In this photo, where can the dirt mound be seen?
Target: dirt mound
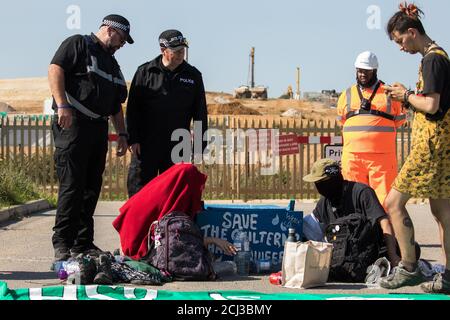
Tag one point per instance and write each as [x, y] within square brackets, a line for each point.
[232, 108]
[292, 113]
[4, 107]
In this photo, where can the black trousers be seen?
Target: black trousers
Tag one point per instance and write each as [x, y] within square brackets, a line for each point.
[151, 162]
[80, 156]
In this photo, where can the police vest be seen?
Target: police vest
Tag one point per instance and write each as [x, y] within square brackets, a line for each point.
[371, 130]
[100, 89]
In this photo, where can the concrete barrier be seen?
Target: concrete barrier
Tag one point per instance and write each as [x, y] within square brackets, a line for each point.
[24, 209]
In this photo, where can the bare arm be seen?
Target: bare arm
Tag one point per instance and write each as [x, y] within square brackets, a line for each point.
[56, 80]
[428, 104]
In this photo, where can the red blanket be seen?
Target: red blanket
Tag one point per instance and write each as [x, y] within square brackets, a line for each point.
[177, 189]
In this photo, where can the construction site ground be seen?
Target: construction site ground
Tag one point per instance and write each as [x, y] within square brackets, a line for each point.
[27, 96]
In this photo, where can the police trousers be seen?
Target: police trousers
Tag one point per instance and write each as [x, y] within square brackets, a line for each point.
[147, 166]
[80, 156]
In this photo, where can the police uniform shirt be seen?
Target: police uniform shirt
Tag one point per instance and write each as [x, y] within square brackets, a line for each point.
[72, 56]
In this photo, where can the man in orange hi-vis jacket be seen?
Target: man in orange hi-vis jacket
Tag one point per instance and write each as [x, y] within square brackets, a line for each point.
[370, 120]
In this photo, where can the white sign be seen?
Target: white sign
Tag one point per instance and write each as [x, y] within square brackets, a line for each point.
[334, 152]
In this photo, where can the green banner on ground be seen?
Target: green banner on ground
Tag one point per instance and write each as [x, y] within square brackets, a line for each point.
[99, 292]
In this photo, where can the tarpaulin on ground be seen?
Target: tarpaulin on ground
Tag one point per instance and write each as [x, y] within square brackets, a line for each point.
[100, 292]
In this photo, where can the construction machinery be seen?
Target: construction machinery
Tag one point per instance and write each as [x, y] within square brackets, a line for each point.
[251, 91]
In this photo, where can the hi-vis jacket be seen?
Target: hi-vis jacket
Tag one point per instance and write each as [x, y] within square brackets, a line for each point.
[366, 132]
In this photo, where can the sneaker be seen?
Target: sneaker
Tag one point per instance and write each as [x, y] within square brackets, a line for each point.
[400, 277]
[437, 285]
[61, 254]
[379, 269]
[104, 273]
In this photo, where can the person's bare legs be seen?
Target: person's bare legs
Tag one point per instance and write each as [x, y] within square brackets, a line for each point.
[440, 208]
[403, 227]
[441, 211]
[407, 272]
[441, 236]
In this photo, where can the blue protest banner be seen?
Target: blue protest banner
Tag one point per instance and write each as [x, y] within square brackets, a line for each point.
[266, 227]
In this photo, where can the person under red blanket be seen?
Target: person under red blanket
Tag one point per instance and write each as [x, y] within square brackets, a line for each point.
[177, 189]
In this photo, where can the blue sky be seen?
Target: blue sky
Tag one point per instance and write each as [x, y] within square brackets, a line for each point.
[323, 38]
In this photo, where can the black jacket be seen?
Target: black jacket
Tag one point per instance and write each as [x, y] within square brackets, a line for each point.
[161, 101]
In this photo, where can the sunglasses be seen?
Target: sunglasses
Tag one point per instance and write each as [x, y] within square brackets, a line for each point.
[123, 38]
[332, 170]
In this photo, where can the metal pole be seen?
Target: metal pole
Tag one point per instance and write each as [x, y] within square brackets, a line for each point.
[252, 56]
[298, 84]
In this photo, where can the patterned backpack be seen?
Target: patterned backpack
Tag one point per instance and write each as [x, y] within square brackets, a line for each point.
[176, 247]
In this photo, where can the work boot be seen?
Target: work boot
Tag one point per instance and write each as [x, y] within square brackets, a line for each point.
[400, 277]
[437, 285]
[104, 273]
[91, 250]
[61, 254]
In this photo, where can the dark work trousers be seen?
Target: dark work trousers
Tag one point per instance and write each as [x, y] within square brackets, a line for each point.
[150, 163]
[80, 155]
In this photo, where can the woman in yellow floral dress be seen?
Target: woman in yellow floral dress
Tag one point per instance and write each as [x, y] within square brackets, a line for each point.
[426, 171]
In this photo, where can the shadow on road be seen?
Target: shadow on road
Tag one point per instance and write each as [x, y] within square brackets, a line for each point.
[26, 275]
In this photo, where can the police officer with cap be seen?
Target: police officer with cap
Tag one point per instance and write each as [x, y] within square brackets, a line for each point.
[87, 87]
[166, 94]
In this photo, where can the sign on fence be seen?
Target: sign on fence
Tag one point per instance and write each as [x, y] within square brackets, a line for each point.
[266, 228]
[334, 152]
[288, 144]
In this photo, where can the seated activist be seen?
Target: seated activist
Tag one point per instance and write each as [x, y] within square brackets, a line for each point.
[344, 208]
[177, 189]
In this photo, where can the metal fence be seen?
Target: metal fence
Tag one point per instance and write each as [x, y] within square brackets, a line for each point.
[238, 172]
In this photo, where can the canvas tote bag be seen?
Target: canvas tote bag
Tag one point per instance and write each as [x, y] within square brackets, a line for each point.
[306, 264]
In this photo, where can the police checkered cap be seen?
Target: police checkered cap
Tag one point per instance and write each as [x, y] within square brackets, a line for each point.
[322, 169]
[172, 39]
[118, 22]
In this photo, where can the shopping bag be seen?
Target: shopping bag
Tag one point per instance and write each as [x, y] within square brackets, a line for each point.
[306, 264]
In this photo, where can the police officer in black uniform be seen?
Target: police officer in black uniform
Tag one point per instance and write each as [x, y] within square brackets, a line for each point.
[166, 94]
[87, 87]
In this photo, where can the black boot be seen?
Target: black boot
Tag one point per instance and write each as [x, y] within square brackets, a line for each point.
[104, 273]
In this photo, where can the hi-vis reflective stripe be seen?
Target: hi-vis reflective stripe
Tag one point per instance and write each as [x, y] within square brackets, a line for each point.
[402, 117]
[369, 129]
[388, 104]
[77, 105]
[348, 95]
[94, 68]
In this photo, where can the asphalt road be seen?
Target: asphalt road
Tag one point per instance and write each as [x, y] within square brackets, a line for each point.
[26, 253]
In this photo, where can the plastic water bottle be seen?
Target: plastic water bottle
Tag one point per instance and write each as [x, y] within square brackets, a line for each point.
[60, 269]
[225, 268]
[72, 269]
[243, 256]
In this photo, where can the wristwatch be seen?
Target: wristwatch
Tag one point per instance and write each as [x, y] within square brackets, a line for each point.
[406, 95]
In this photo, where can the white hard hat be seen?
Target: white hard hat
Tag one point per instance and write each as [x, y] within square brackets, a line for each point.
[366, 60]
